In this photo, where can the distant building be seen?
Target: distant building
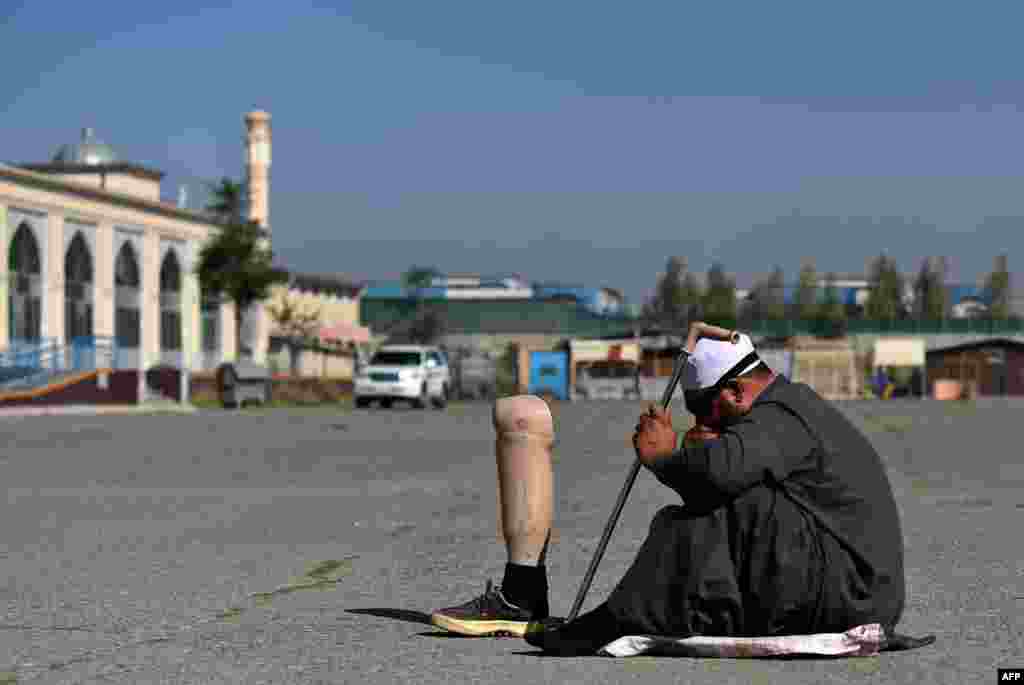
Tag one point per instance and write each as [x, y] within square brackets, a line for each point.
[93, 253]
[476, 287]
[598, 300]
[994, 366]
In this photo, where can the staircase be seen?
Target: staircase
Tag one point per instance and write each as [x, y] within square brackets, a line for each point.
[32, 364]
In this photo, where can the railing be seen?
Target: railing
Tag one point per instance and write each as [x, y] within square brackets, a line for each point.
[22, 352]
[33, 363]
[94, 352]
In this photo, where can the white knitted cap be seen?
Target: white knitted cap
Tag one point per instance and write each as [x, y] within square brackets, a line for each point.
[713, 359]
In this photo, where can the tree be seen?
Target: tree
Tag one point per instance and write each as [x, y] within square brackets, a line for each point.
[774, 296]
[760, 303]
[807, 291]
[665, 307]
[298, 326]
[885, 298]
[425, 327]
[226, 200]
[832, 309]
[236, 264]
[930, 291]
[419, 277]
[670, 292]
[720, 296]
[669, 307]
[692, 297]
[997, 288]
[428, 326]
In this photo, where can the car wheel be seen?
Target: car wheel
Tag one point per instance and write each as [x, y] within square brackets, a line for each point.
[362, 403]
[386, 404]
[442, 400]
[421, 401]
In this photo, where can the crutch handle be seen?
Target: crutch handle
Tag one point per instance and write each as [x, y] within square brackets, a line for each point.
[699, 329]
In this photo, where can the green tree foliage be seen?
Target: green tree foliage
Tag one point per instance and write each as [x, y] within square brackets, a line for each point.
[767, 298]
[832, 310]
[425, 326]
[807, 292]
[998, 289]
[691, 296]
[832, 307]
[419, 276]
[676, 292]
[670, 292]
[226, 200]
[930, 292]
[885, 298]
[720, 296]
[775, 297]
[236, 263]
[428, 326]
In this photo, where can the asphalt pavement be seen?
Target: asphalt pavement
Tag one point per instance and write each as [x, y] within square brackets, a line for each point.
[309, 546]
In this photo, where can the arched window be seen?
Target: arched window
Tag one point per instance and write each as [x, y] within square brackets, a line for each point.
[25, 292]
[209, 310]
[170, 303]
[78, 303]
[127, 319]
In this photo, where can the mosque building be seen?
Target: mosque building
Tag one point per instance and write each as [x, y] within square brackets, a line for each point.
[96, 258]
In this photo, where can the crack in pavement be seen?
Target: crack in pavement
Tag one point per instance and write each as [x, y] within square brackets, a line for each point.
[323, 575]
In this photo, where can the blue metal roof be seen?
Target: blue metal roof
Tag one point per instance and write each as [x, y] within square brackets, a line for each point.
[958, 293]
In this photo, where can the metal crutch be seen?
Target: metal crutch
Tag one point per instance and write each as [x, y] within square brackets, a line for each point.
[697, 330]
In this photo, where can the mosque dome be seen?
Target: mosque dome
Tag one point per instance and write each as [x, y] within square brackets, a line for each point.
[89, 151]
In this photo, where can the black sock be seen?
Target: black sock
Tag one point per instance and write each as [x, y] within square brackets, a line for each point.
[527, 587]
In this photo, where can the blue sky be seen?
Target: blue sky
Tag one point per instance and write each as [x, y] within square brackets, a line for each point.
[581, 141]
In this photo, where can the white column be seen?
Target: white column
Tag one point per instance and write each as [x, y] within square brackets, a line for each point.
[257, 172]
[228, 345]
[260, 333]
[103, 284]
[53, 282]
[189, 319]
[149, 342]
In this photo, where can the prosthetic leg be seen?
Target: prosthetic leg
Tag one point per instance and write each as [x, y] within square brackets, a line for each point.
[524, 431]
[524, 435]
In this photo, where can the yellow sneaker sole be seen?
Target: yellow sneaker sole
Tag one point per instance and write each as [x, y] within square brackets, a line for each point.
[480, 628]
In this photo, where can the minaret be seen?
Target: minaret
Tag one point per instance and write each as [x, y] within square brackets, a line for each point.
[257, 167]
[257, 190]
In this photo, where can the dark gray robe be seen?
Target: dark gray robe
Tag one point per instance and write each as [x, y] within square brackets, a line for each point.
[789, 525]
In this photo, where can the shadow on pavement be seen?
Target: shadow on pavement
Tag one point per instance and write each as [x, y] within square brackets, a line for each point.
[551, 655]
[397, 614]
[791, 657]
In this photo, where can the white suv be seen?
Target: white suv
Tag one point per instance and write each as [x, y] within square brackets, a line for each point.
[414, 373]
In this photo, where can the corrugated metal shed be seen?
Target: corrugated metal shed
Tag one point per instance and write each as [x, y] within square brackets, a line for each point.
[990, 367]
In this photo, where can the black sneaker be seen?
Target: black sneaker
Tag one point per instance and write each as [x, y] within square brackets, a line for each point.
[582, 637]
[489, 615]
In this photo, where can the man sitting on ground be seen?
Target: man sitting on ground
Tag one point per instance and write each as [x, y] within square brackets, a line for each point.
[788, 523]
